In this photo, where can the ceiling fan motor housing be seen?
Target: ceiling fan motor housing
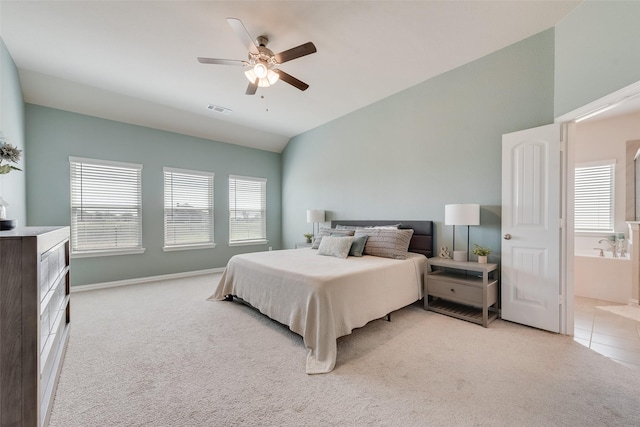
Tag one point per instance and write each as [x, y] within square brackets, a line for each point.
[264, 54]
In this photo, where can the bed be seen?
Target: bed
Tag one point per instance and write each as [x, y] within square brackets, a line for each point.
[323, 298]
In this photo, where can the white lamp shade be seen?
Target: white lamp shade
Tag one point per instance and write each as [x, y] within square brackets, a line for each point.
[462, 214]
[315, 215]
[270, 77]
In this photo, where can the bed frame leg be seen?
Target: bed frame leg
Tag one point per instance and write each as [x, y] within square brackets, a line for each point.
[389, 317]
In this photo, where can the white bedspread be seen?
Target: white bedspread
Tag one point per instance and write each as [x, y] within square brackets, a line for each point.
[319, 297]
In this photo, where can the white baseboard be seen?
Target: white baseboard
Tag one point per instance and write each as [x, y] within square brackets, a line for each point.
[83, 288]
[634, 302]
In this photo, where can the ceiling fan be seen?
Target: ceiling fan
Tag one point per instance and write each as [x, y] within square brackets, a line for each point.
[261, 65]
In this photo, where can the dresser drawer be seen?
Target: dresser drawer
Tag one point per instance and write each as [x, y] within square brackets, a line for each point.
[453, 291]
[52, 264]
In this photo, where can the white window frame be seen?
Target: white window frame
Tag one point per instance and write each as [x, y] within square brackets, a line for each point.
[80, 202]
[172, 193]
[233, 208]
[600, 183]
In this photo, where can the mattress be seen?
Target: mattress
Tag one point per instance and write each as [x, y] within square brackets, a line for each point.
[319, 297]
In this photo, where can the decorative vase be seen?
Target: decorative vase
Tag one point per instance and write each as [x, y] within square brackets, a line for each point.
[7, 224]
[460, 256]
[482, 259]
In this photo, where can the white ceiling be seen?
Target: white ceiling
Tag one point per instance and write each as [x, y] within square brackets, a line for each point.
[135, 61]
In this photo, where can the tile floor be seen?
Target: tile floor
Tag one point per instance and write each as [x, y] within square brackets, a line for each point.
[614, 336]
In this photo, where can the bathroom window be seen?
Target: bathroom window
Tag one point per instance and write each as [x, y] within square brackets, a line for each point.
[594, 196]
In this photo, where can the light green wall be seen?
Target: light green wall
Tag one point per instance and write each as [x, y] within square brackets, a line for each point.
[597, 52]
[404, 157]
[439, 142]
[54, 135]
[12, 185]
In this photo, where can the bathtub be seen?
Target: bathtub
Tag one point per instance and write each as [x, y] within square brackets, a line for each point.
[604, 278]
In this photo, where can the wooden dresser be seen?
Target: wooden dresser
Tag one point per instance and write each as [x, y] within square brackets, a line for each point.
[34, 321]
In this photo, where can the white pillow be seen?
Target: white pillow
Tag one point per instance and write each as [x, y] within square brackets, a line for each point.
[335, 246]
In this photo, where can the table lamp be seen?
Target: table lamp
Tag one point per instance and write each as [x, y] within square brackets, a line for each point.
[461, 214]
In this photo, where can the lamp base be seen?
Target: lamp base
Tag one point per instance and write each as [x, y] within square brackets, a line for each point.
[460, 256]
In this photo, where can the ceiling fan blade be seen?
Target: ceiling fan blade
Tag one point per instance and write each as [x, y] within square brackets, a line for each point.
[222, 61]
[243, 34]
[288, 78]
[251, 89]
[296, 52]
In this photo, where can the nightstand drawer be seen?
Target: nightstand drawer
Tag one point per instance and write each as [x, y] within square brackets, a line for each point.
[453, 291]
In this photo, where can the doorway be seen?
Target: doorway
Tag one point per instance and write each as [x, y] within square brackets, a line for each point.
[587, 319]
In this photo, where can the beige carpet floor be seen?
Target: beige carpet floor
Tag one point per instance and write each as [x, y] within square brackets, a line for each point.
[160, 354]
[629, 311]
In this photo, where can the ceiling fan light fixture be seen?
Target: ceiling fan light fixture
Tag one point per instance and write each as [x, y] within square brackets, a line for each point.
[261, 70]
[270, 78]
[251, 76]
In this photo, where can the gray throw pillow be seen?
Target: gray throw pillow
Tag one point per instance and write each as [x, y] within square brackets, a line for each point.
[357, 247]
[385, 242]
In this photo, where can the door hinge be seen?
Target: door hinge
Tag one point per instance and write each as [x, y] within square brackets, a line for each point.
[561, 299]
[563, 146]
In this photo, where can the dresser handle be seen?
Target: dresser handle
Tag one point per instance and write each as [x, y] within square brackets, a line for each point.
[453, 290]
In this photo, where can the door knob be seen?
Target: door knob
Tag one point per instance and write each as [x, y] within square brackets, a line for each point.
[507, 237]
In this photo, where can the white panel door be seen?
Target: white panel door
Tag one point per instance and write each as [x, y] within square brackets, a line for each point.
[531, 172]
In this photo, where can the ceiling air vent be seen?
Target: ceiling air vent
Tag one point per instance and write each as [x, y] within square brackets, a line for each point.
[219, 109]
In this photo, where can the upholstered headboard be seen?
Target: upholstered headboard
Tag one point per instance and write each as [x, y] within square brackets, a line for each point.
[421, 241]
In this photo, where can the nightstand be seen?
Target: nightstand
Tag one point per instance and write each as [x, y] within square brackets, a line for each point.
[303, 245]
[465, 290]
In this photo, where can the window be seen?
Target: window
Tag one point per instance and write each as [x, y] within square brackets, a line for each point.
[247, 210]
[106, 207]
[594, 196]
[188, 209]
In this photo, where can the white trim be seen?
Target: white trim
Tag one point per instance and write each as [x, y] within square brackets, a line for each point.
[247, 178]
[92, 254]
[187, 171]
[601, 105]
[596, 163]
[126, 282]
[105, 162]
[567, 220]
[249, 243]
[188, 247]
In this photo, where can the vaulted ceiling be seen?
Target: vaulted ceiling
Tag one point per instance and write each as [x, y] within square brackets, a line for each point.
[135, 61]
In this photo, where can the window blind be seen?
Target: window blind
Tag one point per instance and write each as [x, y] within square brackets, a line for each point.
[106, 206]
[247, 210]
[594, 197]
[188, 208]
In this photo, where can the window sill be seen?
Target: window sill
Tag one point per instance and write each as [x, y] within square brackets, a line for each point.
[188, 247]
[594, 233]
[249, 243]
[92, 254]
